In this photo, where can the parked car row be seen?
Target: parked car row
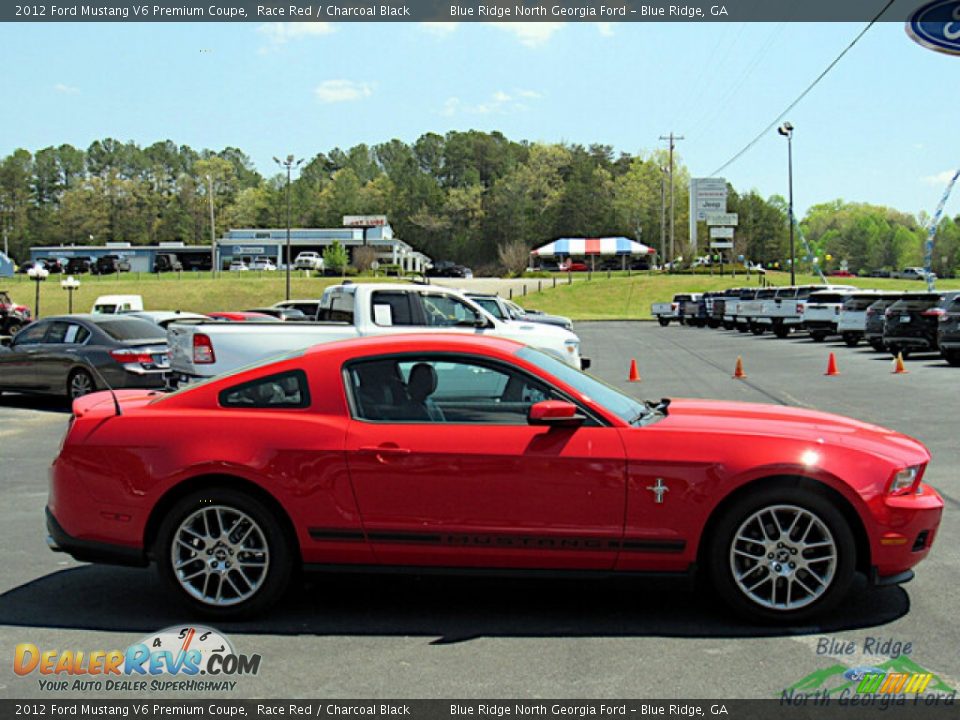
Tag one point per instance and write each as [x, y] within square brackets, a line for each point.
[897, 322]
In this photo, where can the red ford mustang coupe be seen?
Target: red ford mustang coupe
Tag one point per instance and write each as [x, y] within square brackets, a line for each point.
[476, 453]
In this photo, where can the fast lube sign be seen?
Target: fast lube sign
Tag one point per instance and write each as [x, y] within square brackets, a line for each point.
[936, 26]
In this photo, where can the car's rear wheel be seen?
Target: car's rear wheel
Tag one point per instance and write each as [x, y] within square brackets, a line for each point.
[224, 553]
[781, 331]
[782, 554]
[818, 335]
[877, 345]
[851, 339]
[743, 328]
[951, 356]
[663, 322]
[80, 383]
[756, 328]
[728, 325]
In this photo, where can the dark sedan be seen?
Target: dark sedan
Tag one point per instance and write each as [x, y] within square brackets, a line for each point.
[873, 329]
[911, 323]
[948, 333]
[74, 355]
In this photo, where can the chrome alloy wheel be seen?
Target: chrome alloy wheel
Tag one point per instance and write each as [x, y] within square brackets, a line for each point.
[783, 557]
[220, 556]
[80, 384]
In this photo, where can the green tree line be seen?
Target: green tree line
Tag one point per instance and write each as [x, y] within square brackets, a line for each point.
[468, 196]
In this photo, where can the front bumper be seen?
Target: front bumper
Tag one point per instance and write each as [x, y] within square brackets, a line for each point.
[906, 530]
[59, 540]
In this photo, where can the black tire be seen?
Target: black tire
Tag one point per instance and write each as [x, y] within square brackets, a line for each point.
[727, 325]
[781, 331]
[818, 335]
[267, 544]
[803, 497]
[851, 339]
[756, 328]
[12, 328]
[713, 324]
[79, 383]
[951, 356]
[663, 322]
[877, 345]
[742, 328]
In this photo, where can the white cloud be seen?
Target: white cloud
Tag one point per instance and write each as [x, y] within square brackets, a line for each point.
[605, 29]
[66, 89]
[499, 103]
[334, 91]
[280, 33]
[941, 178]
[440, 29]
[531, 34]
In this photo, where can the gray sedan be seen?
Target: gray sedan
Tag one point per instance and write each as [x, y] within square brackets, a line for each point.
[73, 355]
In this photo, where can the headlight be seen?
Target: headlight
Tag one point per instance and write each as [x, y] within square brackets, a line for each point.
[572, 346]
[906, 480]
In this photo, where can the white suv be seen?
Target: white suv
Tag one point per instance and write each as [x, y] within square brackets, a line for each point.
[308, 261]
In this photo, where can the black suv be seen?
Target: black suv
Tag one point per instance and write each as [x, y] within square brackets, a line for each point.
[166, 262]
[911, 323]
[873, 329]
[948, 334]
[109, 265]
[79, 265]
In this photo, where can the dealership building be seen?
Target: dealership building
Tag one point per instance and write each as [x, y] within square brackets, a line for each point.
[246, 244]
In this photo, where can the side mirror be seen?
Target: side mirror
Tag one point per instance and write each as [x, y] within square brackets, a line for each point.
[482, 322]
[557, 413]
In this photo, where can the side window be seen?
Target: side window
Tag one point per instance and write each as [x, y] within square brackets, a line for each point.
[447, 311]
[284, 390]
[32, 335]
[76, 334]
[58, 332]
[392, 308]
[443, 390]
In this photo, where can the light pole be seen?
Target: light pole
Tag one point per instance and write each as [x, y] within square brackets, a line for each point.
[663, 215]
[289, 164]
[213, 231]
[787, 131]
[70, 284]
[38, 274]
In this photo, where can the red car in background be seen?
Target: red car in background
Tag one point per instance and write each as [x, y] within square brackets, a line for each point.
[245, 316]
[478, 453]
[573, 266]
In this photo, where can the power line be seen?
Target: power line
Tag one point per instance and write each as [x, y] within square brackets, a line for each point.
[802, 95]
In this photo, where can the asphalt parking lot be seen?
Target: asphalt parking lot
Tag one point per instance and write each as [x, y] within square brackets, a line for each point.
[407, 637]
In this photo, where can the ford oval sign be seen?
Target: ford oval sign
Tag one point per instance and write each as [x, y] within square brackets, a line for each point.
[936, 26]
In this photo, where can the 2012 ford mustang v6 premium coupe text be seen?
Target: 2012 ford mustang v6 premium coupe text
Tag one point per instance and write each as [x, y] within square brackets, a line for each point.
[480, 453]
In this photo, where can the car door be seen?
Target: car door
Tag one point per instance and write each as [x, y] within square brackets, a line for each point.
[447, 470]
[17, 365]
[57, 354]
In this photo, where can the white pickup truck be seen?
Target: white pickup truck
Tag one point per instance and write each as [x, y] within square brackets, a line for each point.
[348, 311]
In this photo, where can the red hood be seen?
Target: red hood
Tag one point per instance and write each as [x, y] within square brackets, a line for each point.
[712, 416]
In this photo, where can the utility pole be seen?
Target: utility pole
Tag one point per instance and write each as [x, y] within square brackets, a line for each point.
[673, 246]
[663, 216]
[289, 164]
[213, 231]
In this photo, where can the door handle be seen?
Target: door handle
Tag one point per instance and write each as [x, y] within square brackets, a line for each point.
[385, 449]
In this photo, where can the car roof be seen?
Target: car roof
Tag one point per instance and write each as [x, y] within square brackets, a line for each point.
[419, 342]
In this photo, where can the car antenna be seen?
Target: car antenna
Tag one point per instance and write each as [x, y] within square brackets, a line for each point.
[116, 403]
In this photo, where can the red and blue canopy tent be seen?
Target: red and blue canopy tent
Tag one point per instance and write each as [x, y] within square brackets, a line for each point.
[592, 247]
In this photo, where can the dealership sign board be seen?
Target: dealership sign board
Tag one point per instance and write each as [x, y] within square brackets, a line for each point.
[721, 244]
[707, 196]
[725, 233]
[364, 220]
[936, 26]
[724, 218]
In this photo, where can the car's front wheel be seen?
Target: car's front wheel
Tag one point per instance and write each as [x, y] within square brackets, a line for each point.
[951, 356]
[224, 553]
[782, 554]
[663, 322]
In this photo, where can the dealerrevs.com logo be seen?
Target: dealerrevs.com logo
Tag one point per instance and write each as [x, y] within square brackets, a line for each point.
[179, 658]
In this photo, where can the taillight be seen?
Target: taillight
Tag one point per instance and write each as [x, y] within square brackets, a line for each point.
[888, 313]
[127, 357]
[871, 312]
[800, 307]
[933, 312]
[203, 350]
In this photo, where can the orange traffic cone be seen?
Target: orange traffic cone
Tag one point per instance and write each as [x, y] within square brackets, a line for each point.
[634, 373]
[738, 373]
[832, 368]
[898, 368]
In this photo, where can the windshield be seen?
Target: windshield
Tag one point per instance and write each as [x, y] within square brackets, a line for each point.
[490, 305]
[624, 407]
[130, 329]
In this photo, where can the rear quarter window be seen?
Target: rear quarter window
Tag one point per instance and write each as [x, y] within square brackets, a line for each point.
[281, 391]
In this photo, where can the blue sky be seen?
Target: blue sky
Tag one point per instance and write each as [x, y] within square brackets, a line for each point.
[881, 128]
